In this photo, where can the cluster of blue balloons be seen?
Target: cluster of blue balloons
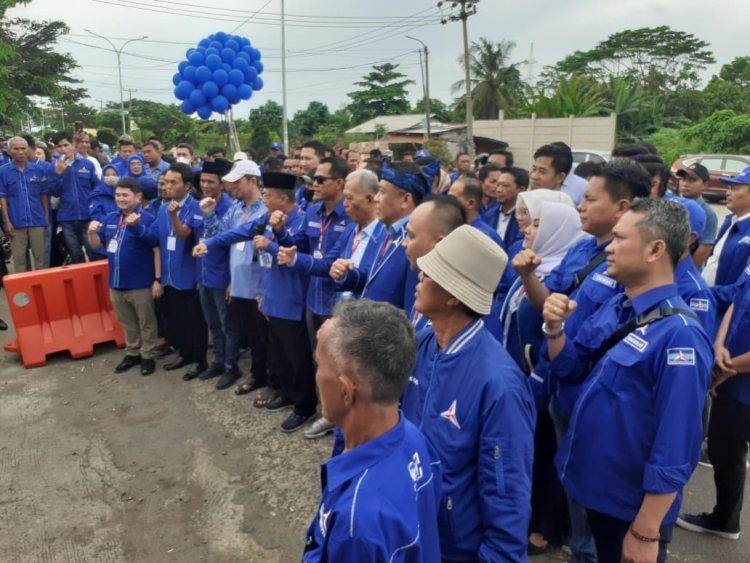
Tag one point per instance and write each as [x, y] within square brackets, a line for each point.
[220, 72]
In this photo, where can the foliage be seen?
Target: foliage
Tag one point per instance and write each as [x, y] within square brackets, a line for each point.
[107, 135]
[581, 96]
[438, 108]
[495, 84]
[382, 92]
[307, 121]
[438, 149]
[659, 58]
[737, 72]
[263, 126]
[29, 65]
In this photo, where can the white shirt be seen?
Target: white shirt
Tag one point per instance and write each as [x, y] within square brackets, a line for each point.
[712, 264]
[502, 222]
[361, 240]
[97, 166]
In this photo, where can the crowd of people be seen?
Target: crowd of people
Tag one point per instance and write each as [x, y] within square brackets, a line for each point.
[510, 360]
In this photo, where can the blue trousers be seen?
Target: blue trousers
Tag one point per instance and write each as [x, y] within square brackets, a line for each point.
[214, 305]
[74, 234]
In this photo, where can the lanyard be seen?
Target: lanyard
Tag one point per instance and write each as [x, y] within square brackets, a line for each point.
[323, 230]
[357, 241]
[385, 245]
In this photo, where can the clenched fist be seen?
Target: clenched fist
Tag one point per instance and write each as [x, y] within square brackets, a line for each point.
[286, 255]
[200, 249]
[525, 262]
[94, 226]
[340, 267]
[277, 220]
[208, 205]
[133, 219]
[173, 208]
[557, 309]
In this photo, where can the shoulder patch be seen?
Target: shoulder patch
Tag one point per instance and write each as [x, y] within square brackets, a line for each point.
[699, 304]
[635, 341]
[605, 280]
[681, 356]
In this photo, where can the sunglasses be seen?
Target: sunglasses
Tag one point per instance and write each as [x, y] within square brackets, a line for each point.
[320, 179]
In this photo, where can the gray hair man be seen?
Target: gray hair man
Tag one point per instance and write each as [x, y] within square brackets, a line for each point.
[380, 495]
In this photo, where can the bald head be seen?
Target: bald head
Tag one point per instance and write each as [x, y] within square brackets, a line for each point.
[429, 223]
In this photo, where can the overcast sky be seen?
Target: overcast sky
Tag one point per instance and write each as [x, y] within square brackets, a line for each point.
[333, 43]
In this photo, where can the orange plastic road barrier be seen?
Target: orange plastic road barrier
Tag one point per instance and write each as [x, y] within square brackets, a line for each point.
[59, 309]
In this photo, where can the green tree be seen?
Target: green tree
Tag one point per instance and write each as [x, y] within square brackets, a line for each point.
[581, 96]
[382, 92]
[264, 126]
[165, 121]
[659, 58]
[737, 72]
[438, 108]
[306, 121]
[495, 84]
[29, 64]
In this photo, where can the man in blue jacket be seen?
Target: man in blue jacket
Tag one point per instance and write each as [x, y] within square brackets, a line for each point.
[25, 205]
[173, 232]
[75, 180]
[731, 252]
[381, 495]
[471, 401]
[635, 432]
[131, 276]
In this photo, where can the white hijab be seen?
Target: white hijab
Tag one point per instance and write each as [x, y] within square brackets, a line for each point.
[534, 198]
[559, 229]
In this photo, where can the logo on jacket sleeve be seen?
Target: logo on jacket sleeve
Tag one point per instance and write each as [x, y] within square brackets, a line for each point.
[323, 519]
[605, 280]
[450, 415]
[681, 356]
[699, 304]
[415, 468]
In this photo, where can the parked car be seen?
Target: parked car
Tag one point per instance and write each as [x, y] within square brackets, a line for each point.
[590, 155]
[719, 166]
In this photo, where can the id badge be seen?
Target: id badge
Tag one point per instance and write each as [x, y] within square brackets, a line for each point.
[240, 246]
[112, 246]
[318, 255]
[171, 244]
[265, 260]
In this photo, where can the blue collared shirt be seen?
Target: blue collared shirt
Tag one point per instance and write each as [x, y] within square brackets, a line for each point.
[131, 258]
[695, 292]
[735, 256]
[737, 341]
[574, 186]
[636, 427]
[23, 192]
[157, 170]
[474, 406]
[212, 270]
[380, 503]
[73, 187]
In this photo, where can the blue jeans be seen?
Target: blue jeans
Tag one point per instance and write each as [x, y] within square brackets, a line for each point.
[74, 234]
[581, 540]
[214, 305]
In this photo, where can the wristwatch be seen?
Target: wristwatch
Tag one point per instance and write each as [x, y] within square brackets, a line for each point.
[553, 335]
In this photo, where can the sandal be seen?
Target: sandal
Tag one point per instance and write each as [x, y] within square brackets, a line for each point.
[247, 387]
[264, 398]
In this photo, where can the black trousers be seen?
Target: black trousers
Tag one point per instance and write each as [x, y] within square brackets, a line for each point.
[186, 328]
[609, 533]
[246, 322]
[728, 436]
[314, 322]
[548, 503]
[291, 358]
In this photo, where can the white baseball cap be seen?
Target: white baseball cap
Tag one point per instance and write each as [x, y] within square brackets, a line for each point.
[242, 168]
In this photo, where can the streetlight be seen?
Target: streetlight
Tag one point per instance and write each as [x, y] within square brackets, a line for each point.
[118, 52]
[426, 82]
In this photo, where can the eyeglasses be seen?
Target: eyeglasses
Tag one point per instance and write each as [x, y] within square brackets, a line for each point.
[320, 179]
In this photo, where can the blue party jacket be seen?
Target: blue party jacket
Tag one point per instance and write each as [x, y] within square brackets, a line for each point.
[131, 265]
[24, 191]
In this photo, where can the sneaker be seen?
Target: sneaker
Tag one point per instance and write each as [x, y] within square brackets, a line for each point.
[704, 460]
[279, 403]
[294, 422]
[703, 524]
[318, 429]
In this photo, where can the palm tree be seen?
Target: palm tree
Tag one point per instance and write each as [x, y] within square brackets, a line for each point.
[495, 84]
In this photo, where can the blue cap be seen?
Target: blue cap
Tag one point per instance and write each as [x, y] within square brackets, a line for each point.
[275, 147]
[696, 214]
[419, 185]
[422, 153]
[741, 178]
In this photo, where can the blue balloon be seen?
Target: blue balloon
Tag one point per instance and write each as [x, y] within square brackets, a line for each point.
[221, 37]
[245, 57]
[248, 49]
[236, 77]
[251, 74]
[244, 42]
[256, 54]
[210, 89]
[257, 84]
[182, 66]
[227, 55]
[229, 91]
[245, 92]
[204, 112]
[189, 52]
[183, 90]
[232, 44]
[202, 50]
[227, 67]
[196, 58]
[216, 45]
[211, 51]
[240, 63]
[189, 74]
[220, 104]
[213, 62]
[258, 66]
[204, 43]
[187, 108]
[197, 98]
[203, 74]
[177, 78]
[221, 77]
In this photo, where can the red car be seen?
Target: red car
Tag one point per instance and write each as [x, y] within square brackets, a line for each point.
[719, 166]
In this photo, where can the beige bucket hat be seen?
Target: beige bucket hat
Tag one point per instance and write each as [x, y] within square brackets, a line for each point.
[468, 265]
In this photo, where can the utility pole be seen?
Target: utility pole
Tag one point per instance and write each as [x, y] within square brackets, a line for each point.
[468, 8]
[426, 82]
[118, 52]
[284, 121]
